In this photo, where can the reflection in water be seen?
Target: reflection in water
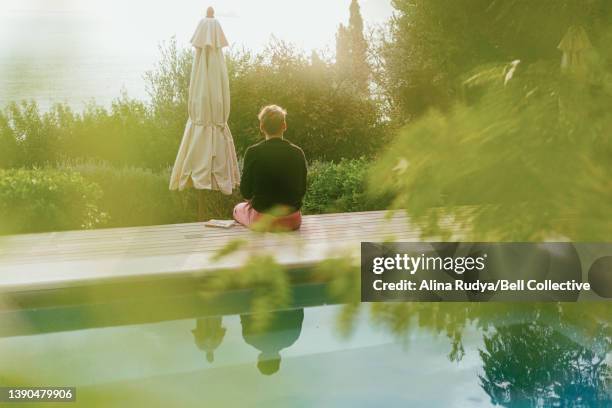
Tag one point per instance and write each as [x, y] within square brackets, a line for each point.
[534, 355]
[514, 355]
[281, 330]
[530, 365]
[208, 335]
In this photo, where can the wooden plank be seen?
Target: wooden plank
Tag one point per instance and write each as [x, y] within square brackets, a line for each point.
[197, 229]
[76, 258]
[158, 246]
[89, 239]
[179, 239]
[38, 243]
[79, 234]
[63, 259]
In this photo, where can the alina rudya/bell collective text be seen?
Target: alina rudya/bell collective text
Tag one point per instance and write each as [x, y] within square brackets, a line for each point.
[459, 265]
[504, 285]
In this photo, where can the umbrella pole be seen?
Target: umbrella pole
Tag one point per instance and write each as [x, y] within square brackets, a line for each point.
[203, 212]
[213, 204]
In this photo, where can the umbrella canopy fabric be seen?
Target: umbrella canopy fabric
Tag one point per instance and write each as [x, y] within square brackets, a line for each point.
[574, 45]
[206, 159]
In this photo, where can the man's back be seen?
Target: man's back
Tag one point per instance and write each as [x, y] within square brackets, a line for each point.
[274, 175]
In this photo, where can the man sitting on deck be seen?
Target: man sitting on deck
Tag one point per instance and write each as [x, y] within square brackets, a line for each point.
[273, 178]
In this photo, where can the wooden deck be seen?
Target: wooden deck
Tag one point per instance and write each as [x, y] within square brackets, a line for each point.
[58, 260]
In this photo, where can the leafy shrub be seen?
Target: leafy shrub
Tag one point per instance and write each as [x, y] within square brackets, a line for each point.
[47, 200]
[340, 187]
[136, 196]
[95, 194]
[28, 136]
[123, 135]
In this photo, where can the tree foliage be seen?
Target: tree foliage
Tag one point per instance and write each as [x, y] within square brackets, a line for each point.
[433, 43]
[523, 146]
[326, 118]
[352, 53]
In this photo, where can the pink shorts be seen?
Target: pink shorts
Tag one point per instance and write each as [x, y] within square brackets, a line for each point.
[246, 215]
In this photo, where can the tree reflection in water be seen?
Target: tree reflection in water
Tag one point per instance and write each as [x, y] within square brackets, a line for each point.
[533, 354]
[548, 354]
[531, 364]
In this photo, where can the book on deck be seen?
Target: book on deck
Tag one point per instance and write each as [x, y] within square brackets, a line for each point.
[220, 223]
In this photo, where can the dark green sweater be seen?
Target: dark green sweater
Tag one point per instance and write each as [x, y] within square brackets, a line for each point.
[274, 174]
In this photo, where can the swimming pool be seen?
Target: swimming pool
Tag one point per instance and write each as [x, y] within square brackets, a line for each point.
[404, 354]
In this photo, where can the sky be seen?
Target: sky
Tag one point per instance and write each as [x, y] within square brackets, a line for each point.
[76, 50]
[125, 24]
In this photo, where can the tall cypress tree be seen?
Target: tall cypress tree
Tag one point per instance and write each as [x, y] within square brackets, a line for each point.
[351, 51]
[343, 51]
[359, 49]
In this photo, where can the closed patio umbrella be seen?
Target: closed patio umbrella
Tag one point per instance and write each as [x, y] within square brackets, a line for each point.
[574, 45]
[206, 159]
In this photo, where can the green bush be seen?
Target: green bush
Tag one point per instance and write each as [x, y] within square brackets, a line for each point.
[47, 200]
[340, 187]
[96, 194]
[136, 196]
[125, 134]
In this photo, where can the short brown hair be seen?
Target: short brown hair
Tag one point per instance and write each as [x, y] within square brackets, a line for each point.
[271, 119]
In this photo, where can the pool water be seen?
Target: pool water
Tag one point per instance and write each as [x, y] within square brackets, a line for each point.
[421, 355]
